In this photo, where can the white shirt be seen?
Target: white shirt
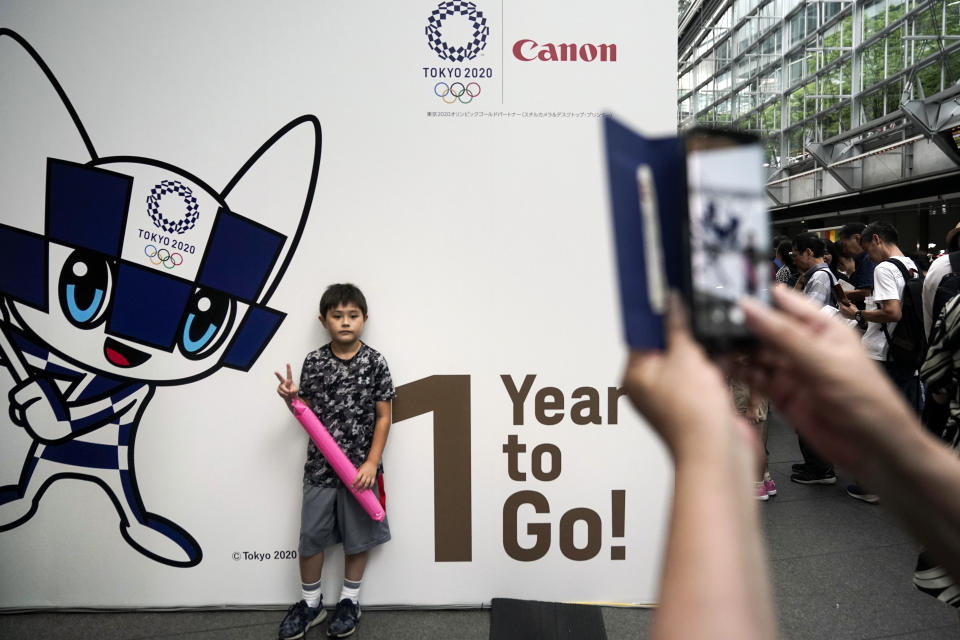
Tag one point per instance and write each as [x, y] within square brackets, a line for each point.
[939, 268]
[888, 284]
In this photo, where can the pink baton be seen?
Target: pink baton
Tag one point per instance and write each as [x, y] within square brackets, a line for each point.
[337, 459]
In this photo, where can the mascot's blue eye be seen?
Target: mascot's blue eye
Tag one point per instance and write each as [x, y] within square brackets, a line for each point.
[189, 343]
[83, 315]
[84, 288]
[206, 323]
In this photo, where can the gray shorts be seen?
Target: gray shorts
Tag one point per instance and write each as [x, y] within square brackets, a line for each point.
[331, 515]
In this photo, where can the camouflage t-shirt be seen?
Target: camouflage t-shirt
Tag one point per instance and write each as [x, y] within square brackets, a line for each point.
[344, 394]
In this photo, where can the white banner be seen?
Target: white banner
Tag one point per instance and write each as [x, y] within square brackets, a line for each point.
[178, 184]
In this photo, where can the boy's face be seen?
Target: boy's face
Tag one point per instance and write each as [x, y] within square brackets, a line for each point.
[344, 323]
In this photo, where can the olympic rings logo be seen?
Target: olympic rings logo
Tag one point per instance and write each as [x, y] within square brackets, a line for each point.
[456, 92]
[163, 256]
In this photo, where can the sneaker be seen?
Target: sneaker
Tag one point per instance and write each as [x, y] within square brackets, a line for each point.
[858, 493]
[798, 467]
[299, 618]
[770, 486]
[809, 476]
[761, 489]
[345, 619]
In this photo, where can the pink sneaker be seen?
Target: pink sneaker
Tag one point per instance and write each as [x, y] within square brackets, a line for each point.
[770, 486]
[761, 490]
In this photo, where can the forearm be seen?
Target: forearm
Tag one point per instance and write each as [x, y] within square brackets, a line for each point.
[380, 431]
[916, 477]
[715, 582]
[39, 406]
[857, 296]
[880, 315]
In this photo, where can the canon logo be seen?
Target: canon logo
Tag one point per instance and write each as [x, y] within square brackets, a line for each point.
[529, 50]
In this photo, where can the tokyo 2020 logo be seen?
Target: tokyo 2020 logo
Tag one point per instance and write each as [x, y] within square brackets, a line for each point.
[191, 208]
[474, 44]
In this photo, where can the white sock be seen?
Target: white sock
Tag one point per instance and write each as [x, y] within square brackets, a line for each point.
[311, 593]
[351, 590]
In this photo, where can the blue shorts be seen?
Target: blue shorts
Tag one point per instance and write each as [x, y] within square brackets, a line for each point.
[331, 515]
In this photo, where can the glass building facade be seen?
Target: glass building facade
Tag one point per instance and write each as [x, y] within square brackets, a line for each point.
[812, 76]
[796, 71]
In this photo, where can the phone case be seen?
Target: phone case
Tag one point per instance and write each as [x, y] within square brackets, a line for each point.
[652, 183]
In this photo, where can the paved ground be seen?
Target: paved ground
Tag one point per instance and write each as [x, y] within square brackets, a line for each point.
[841, 570]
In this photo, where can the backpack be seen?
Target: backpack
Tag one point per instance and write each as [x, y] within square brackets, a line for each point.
[908, 342]
[949, 286]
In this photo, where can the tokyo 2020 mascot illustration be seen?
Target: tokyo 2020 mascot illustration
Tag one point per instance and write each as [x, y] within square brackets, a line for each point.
[123, 274]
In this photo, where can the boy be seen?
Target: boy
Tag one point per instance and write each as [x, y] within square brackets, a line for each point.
[348, 386]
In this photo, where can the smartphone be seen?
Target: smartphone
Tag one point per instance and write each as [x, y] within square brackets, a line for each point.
[727, 234]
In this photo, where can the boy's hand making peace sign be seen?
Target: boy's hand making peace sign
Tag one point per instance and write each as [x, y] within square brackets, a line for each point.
[287, 389]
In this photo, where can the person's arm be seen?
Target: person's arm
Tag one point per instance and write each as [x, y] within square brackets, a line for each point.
[889, 311]
[857, 296]
[851, 414]
[367, 473]
[886, 294]
[288, 390]
[918, 477]
[715, 580]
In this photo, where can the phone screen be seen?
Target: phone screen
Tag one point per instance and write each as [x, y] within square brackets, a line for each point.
[729, 236]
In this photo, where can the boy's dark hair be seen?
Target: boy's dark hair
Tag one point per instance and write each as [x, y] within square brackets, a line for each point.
[851, 229]
[809, 240]
[886, 232]
[338, 294]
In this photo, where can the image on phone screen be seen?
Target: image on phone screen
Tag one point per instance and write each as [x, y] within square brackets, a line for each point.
[729, 238]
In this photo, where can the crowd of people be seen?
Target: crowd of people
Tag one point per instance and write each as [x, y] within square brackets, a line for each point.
[867, 390]
[861, 278]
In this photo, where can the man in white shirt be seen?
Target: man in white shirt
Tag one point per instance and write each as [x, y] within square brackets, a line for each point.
[879, 240]
[888, 283]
